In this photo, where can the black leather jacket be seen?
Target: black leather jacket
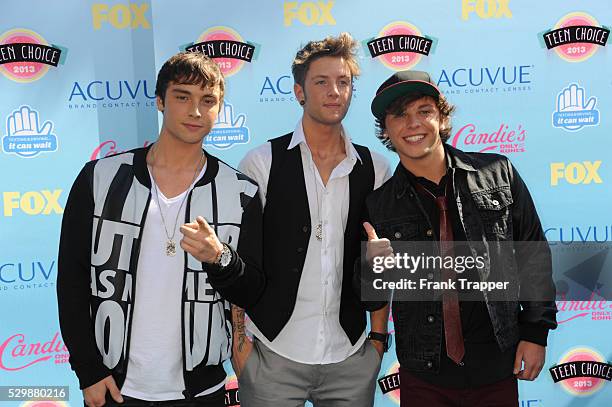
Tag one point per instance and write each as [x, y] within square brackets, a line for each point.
[494, 206]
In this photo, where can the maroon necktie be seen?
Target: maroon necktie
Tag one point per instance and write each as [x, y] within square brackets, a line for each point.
[455, 348]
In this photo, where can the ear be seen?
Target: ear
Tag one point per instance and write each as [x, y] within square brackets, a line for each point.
[160, 104]
[299, 92]
[445, 123]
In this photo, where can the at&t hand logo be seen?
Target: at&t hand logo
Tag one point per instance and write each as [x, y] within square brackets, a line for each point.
[228, 130]
[26, 136]
[574, 111]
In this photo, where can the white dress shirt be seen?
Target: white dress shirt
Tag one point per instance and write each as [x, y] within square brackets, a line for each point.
[313, 334]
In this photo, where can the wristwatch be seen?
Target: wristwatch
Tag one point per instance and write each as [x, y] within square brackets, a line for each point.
[225, 257]
[384, 338]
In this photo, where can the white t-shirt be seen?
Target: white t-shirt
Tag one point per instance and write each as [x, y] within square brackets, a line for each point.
[155, 365]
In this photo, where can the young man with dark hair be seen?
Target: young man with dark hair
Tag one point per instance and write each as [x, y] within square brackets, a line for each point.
[452, 352]
[309, 326]
[148, 256]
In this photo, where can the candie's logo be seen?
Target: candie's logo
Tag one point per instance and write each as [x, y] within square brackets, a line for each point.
[575, 37]
[593, 308]
[16, 353]
[390, 383]
[581, 372]
[109, 148]
[25, 56]
[226, 46]
[503, 139]
[400, 46]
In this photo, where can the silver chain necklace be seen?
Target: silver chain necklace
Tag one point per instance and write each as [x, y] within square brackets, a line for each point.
[319, 225]
[170, 248]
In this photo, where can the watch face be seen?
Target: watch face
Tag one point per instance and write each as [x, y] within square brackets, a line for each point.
[226, 257]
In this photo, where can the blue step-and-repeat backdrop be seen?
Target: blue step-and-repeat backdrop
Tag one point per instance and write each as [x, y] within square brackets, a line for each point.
[531, 79]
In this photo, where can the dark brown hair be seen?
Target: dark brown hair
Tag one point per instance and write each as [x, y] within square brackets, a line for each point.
[397, 108]
[343, 46]
[190, 68]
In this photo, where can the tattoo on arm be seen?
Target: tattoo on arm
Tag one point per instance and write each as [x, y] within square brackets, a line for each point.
[239, 330]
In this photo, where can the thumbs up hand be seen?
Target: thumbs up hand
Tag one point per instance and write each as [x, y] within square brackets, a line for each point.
[376, 247]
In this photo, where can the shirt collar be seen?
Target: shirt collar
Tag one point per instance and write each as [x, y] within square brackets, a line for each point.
[404, 177]
[299, 137]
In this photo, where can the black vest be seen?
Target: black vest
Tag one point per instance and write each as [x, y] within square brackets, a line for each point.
[286, 230]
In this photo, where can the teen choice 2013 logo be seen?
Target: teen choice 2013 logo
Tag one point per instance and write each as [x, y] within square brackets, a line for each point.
[25, 56]
[400, 45]
[229, 50]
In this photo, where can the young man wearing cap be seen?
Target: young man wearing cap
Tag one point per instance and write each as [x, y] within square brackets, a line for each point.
[309, 325]
[147, 260]
[454, 352]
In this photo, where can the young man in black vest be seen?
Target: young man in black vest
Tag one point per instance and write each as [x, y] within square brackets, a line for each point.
[147, 260]
[454, 352]
[309, 325]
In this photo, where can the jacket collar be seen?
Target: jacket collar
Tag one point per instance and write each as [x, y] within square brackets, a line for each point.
[459, 159]
[142, 174]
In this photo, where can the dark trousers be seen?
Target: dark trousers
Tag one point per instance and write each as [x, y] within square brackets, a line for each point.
[418, 393]
[216, 399]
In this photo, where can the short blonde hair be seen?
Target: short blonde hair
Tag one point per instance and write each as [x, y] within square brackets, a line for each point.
[343, 46]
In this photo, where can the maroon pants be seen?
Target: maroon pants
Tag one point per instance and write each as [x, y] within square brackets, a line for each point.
[418, 393]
